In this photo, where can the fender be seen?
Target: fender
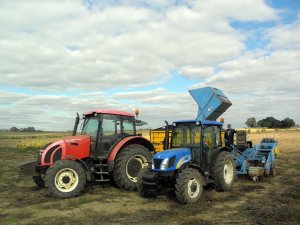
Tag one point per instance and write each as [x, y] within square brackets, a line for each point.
[116, 148]
[220, 149]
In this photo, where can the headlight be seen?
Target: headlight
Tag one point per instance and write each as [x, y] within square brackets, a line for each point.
[152, 166]
[164, 164]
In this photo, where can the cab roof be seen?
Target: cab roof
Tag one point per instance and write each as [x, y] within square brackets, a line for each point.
[112, 112]
[203, 122]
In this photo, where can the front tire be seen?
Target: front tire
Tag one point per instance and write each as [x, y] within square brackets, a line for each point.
[142, 190]
[189, 186]
[65, 179]
[128, 164]
[223, 171]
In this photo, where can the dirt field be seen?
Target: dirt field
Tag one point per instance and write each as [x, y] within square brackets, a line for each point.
[274, 200]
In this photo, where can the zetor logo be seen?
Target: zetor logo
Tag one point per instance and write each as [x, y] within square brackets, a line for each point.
[72, 140]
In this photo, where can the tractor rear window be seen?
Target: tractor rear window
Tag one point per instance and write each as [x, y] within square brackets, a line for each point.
[128, 126]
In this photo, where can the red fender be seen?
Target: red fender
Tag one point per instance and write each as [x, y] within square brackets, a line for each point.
[134, 139]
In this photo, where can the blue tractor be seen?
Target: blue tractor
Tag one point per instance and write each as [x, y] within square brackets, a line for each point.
[196, 157]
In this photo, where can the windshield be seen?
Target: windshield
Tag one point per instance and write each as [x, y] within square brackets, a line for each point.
[90, 127]
[186, 135]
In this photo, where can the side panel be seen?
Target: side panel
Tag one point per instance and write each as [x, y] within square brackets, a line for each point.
[78, 146]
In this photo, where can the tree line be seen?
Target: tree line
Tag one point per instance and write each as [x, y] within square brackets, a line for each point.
[26, 129]
[270, 122]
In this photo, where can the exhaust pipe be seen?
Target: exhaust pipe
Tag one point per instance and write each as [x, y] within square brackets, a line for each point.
[166, 144]
[76, 125]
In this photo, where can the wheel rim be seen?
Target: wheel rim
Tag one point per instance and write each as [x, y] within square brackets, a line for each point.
[228, 172]
[193, 188]
[134, 165]
[66, 180]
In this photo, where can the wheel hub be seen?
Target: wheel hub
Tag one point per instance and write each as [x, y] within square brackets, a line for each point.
[193, 188]
[228, 172]
[134, 165]
[66, 180]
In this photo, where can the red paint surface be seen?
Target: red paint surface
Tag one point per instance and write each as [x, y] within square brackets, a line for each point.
[80, 150]
[113, 112]
[118, 146]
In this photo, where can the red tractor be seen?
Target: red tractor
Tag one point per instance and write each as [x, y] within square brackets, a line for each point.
[108, 148]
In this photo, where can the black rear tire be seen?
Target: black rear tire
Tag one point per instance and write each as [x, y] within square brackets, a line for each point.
[39, 181]
[65, 179]
[223, 171]
[189, 186]
[128, 164]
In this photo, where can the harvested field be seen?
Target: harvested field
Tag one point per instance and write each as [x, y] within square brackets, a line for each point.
[273, 200]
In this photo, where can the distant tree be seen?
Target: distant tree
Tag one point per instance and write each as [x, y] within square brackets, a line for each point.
[13, 129]
[251, 122]
[287, 123]
[28, 129]
[269, 122]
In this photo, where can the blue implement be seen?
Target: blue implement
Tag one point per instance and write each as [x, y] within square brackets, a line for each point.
[261, 159]
[212, 103]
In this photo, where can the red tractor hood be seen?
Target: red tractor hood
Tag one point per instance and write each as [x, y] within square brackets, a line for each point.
[73, 147]
[80, 139]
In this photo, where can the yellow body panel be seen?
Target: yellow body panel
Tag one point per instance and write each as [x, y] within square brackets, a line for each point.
[276, 151]
[222, 138]
[157, 138]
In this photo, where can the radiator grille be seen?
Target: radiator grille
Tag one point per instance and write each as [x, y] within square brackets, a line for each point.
[157, 163]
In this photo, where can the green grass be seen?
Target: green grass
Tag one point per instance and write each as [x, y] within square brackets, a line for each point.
[271, 201]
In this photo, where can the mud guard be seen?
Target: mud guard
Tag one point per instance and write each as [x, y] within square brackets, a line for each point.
[115, 149]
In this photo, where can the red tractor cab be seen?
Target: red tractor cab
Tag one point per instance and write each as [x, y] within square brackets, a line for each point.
[108, 148]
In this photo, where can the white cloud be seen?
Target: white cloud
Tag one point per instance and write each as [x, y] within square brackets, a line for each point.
[59, 45]
[285, 36]
[260, 85]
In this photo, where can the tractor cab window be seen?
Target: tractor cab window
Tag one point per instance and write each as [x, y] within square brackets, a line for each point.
[186, 135]
[212, 136]
[178, 139]
[128, 126]
[111, 125]
[90, 127]
[196, 135]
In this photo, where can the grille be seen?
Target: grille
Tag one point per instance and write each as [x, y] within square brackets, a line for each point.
[57, 155]
[49, 153]
[39, 158]
[157, 163]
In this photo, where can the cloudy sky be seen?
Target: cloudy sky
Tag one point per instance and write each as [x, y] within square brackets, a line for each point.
[62, 57]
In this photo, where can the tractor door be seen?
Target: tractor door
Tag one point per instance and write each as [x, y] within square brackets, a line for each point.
[195, 144]
[211, 141]
[110, 133]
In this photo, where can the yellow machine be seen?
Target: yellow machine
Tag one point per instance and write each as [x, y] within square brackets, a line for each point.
[157, 138]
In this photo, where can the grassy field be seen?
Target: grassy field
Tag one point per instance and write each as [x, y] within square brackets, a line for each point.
[273, 200]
